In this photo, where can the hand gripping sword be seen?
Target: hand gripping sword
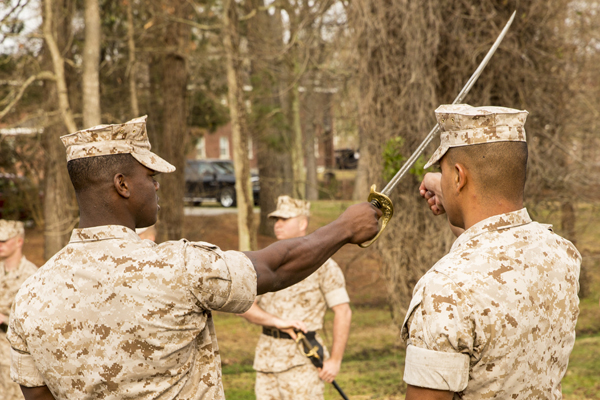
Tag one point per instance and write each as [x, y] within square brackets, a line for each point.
[381, 199]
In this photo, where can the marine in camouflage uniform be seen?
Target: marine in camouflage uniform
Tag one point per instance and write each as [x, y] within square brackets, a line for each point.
[112, 316]
[495, 317]
[283, 371]
[15, 268]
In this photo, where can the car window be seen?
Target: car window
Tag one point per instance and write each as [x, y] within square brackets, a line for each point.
[224, 167]
[205, 168]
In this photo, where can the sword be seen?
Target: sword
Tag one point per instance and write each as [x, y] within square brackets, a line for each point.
[381, 199]
[315, 358]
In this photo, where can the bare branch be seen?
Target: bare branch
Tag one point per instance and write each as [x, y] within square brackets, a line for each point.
[42, 75]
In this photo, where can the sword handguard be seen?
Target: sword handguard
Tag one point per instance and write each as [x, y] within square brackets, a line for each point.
[384, 203]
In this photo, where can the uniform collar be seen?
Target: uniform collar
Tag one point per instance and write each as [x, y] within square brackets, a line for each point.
[495, 223]
[16, 270]
[104, 232]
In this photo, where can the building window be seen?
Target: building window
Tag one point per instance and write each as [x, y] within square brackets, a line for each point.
[224, 148]
[201, 149]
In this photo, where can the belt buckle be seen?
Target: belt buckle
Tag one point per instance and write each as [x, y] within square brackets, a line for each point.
[276, 333]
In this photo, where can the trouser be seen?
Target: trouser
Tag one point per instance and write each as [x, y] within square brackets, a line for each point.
[297, 383]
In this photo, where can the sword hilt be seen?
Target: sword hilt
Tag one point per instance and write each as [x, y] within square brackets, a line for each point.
[384, 203]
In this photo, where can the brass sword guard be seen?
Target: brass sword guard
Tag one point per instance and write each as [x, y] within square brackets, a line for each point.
[384, 203]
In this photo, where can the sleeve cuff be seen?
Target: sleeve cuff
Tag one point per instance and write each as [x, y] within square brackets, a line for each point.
[243, 283]
[23, 370]
[337, 296]
[436, 370]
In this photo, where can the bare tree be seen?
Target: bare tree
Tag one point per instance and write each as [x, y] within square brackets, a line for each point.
[266, 121]
[91, 65]
[131, 67]
[415, 56]
[173, 135]
[59, 207]
[239, 129]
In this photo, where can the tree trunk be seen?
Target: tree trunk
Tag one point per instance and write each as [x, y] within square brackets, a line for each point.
[174, 126]
[59, 199]
[133, 97]
[361, 183]
[239, 130]
[312, 103]
[264, 33]
[58, 63]
[91, 65]
[297, 148]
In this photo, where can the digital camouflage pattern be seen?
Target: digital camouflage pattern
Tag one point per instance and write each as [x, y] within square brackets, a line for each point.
[127, 138]
[298, 383]
[288, 207]
[505, 299]
[305, 301]
[112, 316]
[464, 125]
[9, 229]
[10, 282]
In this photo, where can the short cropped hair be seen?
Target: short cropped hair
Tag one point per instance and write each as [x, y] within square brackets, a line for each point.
[88, 172]
[499, 169]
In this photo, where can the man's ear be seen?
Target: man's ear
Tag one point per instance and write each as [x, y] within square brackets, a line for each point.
[460, 177]
[303, 224]
[121, 186]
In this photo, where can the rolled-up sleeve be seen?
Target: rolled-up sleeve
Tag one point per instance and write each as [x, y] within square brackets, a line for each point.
[333, 284]
[436, 369]
[22, 367]
[439, 333]
[222, 281]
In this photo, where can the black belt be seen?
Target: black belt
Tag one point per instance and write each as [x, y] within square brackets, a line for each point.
[277, 334]
[4, 327]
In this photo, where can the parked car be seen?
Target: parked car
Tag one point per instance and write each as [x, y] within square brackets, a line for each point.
[346, 159]
[214, 180]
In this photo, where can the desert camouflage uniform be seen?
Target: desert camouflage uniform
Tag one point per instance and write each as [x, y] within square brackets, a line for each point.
[464, 125]
[495, 318]
[10, 282]
[112, 316]
[283, 372]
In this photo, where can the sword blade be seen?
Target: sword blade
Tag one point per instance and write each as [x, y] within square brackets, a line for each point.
[436, 129]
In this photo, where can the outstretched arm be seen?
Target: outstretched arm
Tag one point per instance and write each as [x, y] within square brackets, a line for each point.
[258, 316]
[37, 393]
[341, 331]
[287, 262]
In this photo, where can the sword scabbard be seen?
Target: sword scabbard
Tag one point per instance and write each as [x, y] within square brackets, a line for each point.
[384, 203]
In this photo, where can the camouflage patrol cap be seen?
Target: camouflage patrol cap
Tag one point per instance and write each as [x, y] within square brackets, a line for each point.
[127, 138]
[10, 229]
[290, 208]
[464, 125]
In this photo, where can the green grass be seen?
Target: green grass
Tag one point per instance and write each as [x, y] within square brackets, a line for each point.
[582, 380]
